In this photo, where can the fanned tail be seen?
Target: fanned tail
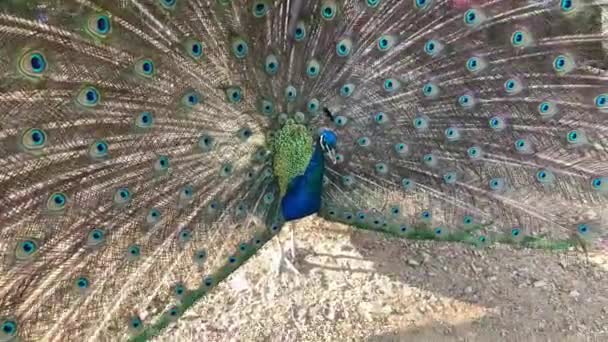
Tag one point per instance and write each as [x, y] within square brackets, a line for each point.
[478, 124]
[135, 168]
[137, 139]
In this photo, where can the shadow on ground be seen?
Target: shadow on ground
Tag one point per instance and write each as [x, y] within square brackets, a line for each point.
[526, 292]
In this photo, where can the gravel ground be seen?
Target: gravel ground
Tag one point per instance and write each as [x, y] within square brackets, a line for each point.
[364, 286]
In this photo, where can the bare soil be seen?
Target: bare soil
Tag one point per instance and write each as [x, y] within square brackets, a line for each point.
[365, 286]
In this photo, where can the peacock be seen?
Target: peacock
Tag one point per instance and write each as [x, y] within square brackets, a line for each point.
[150, 147]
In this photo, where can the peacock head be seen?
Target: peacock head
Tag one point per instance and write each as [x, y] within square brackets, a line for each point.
[328, 141]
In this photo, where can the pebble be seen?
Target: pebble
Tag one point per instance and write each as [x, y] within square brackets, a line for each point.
[540, 283]
[413, 262]
[426, 257]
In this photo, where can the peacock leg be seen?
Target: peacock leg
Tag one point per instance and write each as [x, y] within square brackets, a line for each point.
[277, 262]
[292, 244]
[280, 260]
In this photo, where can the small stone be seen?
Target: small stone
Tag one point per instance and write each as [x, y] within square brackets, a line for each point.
[371, 310]
[468, 289]
[413, 262]
[426, 257]
[574, 294]
[540, 283]
[330, 313]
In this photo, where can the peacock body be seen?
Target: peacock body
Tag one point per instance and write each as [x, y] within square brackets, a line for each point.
[150, 147]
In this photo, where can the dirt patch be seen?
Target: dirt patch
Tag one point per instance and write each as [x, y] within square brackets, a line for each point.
[364, 286]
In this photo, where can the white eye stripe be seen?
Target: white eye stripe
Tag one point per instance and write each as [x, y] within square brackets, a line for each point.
[330, 152]
[332, 156]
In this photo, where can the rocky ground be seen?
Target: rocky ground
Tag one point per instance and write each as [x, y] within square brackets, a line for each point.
[363, 286]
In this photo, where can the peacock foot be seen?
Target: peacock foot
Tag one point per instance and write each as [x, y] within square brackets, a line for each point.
[280, 260]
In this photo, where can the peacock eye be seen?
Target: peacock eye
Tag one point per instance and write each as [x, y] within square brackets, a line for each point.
[190, 99]
[521, 39]
[193, 48]
[513, 86]
[381, 118]
[344, 46]
[328, 10]
[433, 47]
[240, 49]
[135, 323]
[567, 6]
[313, 68]
[271, 65]
[583, 228]
[98, 149]
[422, 4]
[234, 95]
[373, 3]
[523, 146]
[57, 202]
[260, 9]
[601, 102]
[473, 18]
[133, 252]
[300, 32]
[291, 93]
[82, 283]
[88, 97]
[169, 4]
[381, 168]
[145, 68]
[545, 176]
[364, 141]
[96, 237]
[467, 220]
[385, 43]
[341, 121]
[33, 64]
[347, 90]
[28, 247]
[9, 329]
[497, 184]
[390, 85]
[122, 196]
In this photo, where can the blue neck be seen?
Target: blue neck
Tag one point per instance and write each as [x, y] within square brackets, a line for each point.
[303, 197]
